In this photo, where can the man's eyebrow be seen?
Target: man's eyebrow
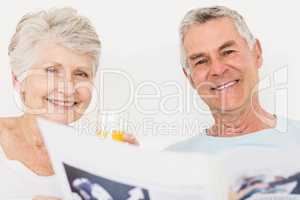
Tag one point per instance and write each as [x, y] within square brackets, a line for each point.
[227, 44]
[196, 55]
[223, 46]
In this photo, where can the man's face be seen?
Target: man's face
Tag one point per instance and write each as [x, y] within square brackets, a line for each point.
[224, 69]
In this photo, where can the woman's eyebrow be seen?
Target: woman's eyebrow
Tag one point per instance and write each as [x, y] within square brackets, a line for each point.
[83, 68]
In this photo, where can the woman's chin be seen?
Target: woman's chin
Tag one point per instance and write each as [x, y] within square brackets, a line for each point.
[60, 118]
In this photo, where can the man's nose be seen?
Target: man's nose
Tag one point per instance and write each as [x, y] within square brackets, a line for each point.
[217, 67]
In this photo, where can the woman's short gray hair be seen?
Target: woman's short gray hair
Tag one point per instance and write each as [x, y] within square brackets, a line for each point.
[64, 25]
[203, 15]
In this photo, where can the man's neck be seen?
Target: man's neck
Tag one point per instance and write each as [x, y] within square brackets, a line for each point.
[243, 121]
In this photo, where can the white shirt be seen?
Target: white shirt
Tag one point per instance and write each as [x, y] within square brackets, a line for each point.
[20, 183]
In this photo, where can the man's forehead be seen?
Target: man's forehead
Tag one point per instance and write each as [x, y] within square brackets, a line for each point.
[209, 27]
[211, 35]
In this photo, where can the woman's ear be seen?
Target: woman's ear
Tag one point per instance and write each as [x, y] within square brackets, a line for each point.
[18, 86]
[16, 82]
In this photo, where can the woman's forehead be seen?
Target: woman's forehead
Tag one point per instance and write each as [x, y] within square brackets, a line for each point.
[54, 53]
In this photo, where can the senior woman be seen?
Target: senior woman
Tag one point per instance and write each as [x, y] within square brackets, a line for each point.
[54, 56]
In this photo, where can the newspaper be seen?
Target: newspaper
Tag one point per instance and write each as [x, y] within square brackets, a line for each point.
[90, 168]
[262, 174]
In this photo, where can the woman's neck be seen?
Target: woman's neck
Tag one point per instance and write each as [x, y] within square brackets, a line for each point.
[30, 131]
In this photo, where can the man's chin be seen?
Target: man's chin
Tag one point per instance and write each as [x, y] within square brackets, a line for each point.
[227, 108]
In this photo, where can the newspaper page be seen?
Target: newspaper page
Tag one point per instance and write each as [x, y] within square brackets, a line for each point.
[263, 174]
[90, 168]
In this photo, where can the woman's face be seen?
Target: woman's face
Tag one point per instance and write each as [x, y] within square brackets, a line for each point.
[58, 85]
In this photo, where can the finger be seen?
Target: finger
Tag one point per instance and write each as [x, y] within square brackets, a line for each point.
[130, 139]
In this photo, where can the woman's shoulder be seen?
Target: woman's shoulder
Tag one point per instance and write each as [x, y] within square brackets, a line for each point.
[8, 124]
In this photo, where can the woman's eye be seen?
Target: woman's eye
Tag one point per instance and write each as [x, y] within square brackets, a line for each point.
[51, 69]
[82, 74]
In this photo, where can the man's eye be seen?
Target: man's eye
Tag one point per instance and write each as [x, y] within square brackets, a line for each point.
[228, 52]
[200, 62]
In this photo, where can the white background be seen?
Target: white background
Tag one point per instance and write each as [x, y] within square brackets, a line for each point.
[141, 38]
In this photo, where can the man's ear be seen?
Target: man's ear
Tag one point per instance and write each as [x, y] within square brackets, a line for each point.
[188, 76]
[16, 82]
[257, 53]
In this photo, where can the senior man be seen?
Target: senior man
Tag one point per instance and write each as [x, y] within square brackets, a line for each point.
[221, 58]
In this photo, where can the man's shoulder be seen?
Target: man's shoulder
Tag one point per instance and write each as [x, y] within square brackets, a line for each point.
[294, 128]
[294, 123]
[288, 125]
[190, 144]
[208, 144]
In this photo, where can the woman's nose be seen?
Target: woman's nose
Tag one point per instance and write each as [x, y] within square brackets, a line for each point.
[66, 87]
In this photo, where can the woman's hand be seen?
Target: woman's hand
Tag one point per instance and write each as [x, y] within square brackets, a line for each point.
[119, 136]
[124, 137]
[130, 139]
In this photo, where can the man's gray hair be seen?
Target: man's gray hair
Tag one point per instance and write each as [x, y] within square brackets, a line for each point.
[203, 15]
[63, 25]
